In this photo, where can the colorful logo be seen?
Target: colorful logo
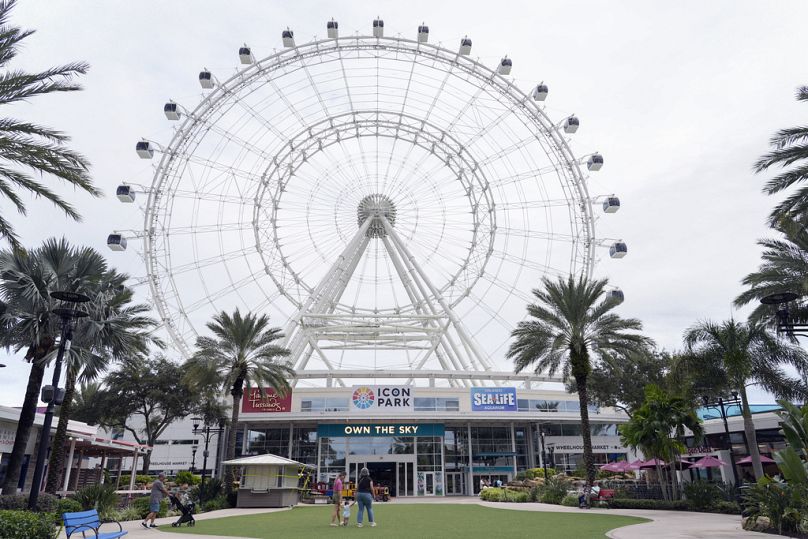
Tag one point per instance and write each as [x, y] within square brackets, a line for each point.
[363, 397]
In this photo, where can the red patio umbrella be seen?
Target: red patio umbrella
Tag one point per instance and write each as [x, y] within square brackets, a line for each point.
[709, 462]
[619, 467]
[748, 460]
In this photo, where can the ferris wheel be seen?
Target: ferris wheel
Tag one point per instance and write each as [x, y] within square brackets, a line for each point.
[390, 202]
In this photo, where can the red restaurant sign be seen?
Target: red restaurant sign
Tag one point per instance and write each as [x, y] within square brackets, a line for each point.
[254, 402]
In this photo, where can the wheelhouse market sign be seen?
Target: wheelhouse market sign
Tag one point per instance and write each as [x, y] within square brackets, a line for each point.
[380, 429]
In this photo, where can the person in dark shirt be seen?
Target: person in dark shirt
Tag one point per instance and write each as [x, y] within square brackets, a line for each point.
[364, 496]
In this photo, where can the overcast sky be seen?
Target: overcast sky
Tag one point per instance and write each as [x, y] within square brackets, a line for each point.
[679, 97]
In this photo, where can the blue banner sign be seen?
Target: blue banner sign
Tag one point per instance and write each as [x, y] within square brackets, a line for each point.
[380, 429]
[493, 399]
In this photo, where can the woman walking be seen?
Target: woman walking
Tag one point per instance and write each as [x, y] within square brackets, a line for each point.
[364, 495]
[336, 498]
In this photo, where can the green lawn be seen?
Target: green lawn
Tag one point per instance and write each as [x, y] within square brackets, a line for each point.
[416, 520]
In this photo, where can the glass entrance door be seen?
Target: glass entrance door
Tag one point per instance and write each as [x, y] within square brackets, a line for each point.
[426, 483]
[404, 479]
[455, 483]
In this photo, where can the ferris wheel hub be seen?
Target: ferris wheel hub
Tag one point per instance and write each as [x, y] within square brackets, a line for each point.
[373, 207]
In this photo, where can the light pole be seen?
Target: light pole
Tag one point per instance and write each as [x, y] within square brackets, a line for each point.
[783, 317]
[543, 454]
[207, 432]
[193, 458]
[53, 394]
[722, 404]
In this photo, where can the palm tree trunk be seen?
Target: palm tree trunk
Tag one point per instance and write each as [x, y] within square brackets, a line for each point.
[586, 433]
[751, 437]
[26, 421]
[146, 461]
[231, 439]
[57, 458]
[663, 480]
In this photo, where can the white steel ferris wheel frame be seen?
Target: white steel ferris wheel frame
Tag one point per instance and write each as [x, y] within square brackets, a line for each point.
[428, 324]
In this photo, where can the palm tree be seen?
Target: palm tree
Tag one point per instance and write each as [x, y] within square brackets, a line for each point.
[570, 322]
[242, 354]
[784, 268]
[790, 148]
[746, 354]
[26, 280]
[27, 148]
[115, 331]
[657, 428]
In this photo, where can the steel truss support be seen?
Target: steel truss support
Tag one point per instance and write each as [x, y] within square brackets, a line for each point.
[427, 325]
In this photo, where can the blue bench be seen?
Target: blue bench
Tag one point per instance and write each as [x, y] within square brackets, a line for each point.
[88, 521]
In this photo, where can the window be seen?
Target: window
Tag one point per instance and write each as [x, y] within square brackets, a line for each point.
[437, 404]
[327, 404]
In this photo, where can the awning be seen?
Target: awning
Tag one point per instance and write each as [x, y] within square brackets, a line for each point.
[267, 459]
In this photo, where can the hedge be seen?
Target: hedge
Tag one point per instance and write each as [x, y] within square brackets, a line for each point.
[142, 506]
[46, 503]
[27, 525]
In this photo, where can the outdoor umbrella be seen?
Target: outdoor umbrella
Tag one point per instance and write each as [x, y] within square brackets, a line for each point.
[636, 464]
[620, 467]
[651, 463]
[679, 465]
[709, 462]
[748, 460]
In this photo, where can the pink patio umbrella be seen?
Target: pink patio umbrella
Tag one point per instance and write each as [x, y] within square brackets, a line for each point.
[636, 464]
[679, 465]
[619, 467]
[748, 460]
[651, 463]
[709, 462]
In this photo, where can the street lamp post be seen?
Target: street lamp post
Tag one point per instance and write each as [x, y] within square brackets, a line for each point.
[53, 394]
[722, 404]
[207, 432]
[785, 324]
[543, 453]
[193, 458]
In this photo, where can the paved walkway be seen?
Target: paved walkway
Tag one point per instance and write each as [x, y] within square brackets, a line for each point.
[663, 525]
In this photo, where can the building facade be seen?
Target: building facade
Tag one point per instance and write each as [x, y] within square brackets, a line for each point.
[425, 441]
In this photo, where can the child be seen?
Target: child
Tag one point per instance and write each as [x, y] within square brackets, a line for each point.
[346, 512]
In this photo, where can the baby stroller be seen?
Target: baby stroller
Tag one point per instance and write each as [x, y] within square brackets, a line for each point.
[187, 510]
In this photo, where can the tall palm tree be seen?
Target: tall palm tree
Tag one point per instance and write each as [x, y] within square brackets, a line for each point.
[784, 269]
[242, 354]
[569, 324]
[115, 331]
[746, 354]
[790, 147]
[27, 148]
[26, 281]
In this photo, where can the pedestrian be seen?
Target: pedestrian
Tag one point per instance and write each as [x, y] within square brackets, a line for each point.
[336, 498]
[158, 492]
[364, 495]
[346, 512]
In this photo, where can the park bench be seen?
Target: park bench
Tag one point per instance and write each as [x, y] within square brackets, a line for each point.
[604, 495]
[88, 521]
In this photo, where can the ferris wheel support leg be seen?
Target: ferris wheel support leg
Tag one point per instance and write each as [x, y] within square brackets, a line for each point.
[465, 338]
[417, 301]
[396, 255]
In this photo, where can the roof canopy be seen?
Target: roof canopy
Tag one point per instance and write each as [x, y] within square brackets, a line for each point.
[263, 460]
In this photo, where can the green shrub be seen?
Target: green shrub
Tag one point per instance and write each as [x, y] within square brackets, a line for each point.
[67, 505]
[130, 513]
[99, 497]
[186, 477]
[535, 494]
[212, 488]
[141, 505]
[570, 500]
[536, 473]
[46, 503]
[492, 494]
[554, 489]
[702, 495]
[219, 502]
[27, 525]
[663, 505]
[728, 508]
[776, 500]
